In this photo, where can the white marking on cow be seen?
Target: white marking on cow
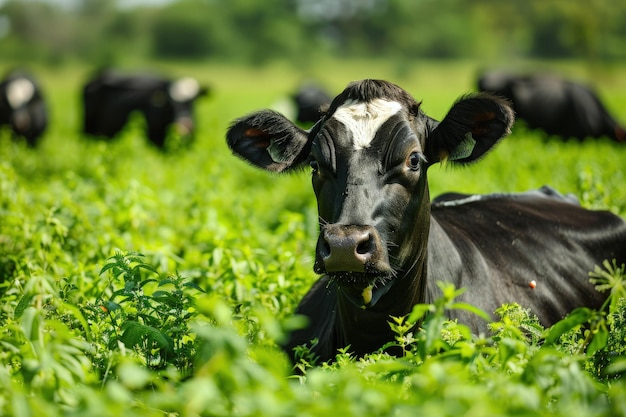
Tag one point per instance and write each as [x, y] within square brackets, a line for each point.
[19, 92]
[363, 119]
[184, 89]
[461, 201]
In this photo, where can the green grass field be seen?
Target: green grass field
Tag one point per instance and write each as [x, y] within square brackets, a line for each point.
[190, 328]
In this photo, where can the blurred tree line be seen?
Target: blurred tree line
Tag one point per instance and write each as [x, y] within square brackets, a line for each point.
[254, 32]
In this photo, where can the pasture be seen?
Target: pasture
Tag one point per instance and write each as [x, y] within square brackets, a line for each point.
[189, 327]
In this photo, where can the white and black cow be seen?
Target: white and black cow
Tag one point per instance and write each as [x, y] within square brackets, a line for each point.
[383, 246]
[22, 106]
[110, 97]
[557, 106]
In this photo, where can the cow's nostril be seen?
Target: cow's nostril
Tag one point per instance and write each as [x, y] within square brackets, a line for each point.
[324, 248]
[366, 246]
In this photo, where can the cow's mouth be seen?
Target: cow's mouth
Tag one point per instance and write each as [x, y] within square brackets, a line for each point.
[361, 288]
[356, 261]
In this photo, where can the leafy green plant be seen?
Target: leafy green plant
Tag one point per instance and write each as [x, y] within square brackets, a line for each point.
[147, 313]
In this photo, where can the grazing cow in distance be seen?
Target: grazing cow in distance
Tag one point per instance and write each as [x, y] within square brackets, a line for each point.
[23, 107]
[110, 97]
[310, 100]
[383, 246]
[559, 107]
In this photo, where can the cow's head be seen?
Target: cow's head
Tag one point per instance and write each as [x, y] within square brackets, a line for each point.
[20, 91]
[182, 94]
[369, 155]
[170, 108]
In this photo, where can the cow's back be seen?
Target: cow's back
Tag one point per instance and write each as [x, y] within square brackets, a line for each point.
[495, 245]
[110, 97]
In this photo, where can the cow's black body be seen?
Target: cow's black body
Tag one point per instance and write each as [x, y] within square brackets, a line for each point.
[559, 107]
[383, 245]
[23, 107]
[109, 98]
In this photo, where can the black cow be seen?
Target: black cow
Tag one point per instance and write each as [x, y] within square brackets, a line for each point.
[310, 100]
[383, 246]
[109, 98]
[23, 107]
[558, 107]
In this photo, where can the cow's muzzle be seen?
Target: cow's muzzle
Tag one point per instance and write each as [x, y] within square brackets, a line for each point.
[349, 248]
[355, 258]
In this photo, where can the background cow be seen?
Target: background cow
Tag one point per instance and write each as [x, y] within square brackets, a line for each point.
[310, 100]
[109, 98]
[558, 107]
[22, 106]
[382, 245]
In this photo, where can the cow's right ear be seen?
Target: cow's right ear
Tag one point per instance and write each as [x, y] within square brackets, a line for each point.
[269, 140]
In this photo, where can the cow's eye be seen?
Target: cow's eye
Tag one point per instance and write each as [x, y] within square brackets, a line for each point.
[413, 161]
[314, 166]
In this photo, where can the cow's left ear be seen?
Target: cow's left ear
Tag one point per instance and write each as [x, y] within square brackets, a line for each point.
[473, 126]
[268, 140]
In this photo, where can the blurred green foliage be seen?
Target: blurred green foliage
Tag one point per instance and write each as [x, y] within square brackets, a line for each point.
[301, 31]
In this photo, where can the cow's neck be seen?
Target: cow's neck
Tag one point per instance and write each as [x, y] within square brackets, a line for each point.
[364, 328]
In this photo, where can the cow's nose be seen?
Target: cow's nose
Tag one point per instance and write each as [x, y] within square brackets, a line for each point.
[184, 126]
[344, 248]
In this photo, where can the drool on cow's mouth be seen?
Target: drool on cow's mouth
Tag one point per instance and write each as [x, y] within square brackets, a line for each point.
[361, 288]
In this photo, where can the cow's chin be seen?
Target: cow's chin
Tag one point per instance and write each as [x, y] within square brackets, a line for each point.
[362, 289]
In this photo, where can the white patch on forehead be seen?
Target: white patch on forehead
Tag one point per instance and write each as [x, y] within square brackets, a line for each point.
[184, 89]
[19, 92]
[363, 119]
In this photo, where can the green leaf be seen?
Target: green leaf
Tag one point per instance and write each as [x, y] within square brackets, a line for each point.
[161, 294]
[599, 341]
[78, 315]
[147, 267]
[135, 332]
[146, 281]
[433, 328]
[108, 266]
[468, 307]
[194, 286]
[22, 305]
[418, 312]
[618, 366]
[133, 257]
[575, 318]
[30, 323]
[166, 281]
[111, 306]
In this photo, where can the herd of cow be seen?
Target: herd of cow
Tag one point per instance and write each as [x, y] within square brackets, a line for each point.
[556, 106]
[108, 98]
[383, 244]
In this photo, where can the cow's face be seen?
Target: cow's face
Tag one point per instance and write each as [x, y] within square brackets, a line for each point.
[182, 93]
[369, 175]
[369, 156]
[170, 108]
[19, 92]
